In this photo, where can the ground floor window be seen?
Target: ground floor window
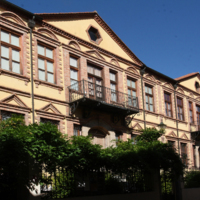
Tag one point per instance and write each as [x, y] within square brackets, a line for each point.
[77, 130]
[7, 115]
[55, 122]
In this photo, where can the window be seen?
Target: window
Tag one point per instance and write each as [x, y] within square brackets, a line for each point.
[180, 108]
[133, 137]
[172, 144]
[94, 35]
[55, 122]
[7, 115]
[149, 98]
[46, 64]
[77, 130]
[197, 86]
[131, 92]
[113, 86]
[168, 105]
[95, 82]
[191, 112]
[184, 153]
[117, 137]
[194, 156]
[10, 52]
[198, 115]
[73, 70]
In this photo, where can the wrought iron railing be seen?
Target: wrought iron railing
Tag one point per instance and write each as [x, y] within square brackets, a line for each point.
[86, 89]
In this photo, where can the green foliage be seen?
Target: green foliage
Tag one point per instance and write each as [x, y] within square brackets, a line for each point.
[192, 179]
[24, 149]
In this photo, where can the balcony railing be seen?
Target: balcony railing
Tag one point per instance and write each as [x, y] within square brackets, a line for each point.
[106, 96]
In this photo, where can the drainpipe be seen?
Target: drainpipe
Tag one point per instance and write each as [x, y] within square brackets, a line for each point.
[31, 24]
[175, 86]
[142, 72]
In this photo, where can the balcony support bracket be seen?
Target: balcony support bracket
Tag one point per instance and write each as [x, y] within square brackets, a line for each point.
[128, 120]
[115, 118]
[73, 107]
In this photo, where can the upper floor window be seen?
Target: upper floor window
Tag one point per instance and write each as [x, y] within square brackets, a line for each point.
[73, 70]
[149, 98]
[55, 122]
[197, 86]
[10, 52]
[46, 64]
[184, 153]
[191, 112]
[172, 144]
[168, 105]
[95, 82]
[131, 92]
[180, 108]
[113, 86]
[198, 114]
[77, 130]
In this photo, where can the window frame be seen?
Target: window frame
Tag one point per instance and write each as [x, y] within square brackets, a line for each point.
[178, 109]
[149, 95]
[114, 83]
[74, 68]
[78, 129]
[191, 110]
[184, 160]
[12, 47]
[168, 102]
[46, 59]
[50, 120]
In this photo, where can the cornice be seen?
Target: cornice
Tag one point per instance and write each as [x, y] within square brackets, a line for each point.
[15, 91]
[14, 107]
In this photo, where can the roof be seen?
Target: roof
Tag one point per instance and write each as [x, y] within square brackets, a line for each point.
[187, 76]
[94, 15]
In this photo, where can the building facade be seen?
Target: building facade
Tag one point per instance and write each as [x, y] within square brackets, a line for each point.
[71, 69]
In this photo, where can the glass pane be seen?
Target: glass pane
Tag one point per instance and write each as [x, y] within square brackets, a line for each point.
[151, 108]
[112, 76]
[129, 92]
[4, 64]
[133, 84]
[5, 36]
[14, 40]
[49, 53]
[98, 82]
[50, 78]
[16, 67]
[97, 72]
[15, 55]
[150, 90]
[73, 74]
[150, 100]
[147, 99]
[49, 66]
[41, 63]
[128, 83]
[90, 79]
[112, 86]
[169, 106]
[147, 106]
[170, 113]
[113, 97]
[40, 50]
[133, 93]
[73, 62]
[42, 75]
[146, 89]
[181, 111]
[4, 52]
[73, 82]
[90, 69]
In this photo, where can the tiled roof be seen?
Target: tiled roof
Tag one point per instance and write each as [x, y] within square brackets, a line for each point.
[186, 76]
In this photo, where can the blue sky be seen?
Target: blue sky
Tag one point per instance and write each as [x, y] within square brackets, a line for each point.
[164, 34]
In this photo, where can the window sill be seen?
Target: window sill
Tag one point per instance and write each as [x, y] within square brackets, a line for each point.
[51, 85]
[15, 75]
[150, 112]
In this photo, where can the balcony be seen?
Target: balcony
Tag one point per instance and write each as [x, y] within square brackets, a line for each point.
[93, 96]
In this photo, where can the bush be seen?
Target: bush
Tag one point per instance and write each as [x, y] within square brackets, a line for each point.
[192, 179]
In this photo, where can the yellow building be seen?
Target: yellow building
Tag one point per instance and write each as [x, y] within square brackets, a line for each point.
[73, 70]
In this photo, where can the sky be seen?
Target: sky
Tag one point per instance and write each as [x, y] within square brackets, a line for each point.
[163, 34]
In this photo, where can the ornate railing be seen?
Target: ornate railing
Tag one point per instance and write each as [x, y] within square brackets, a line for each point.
[86, 89]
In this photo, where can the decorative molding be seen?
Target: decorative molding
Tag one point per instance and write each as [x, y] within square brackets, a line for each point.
[51, 107]
[10, 15]
[114, 62]
[51, 85]
[75, 44]
[171, 134]
[184, 136]
[15, 75]
[96, 53]
[48, 32]
[180, 90]
[17, 100]
[150, 77]
[168, 85]
[137, 125]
